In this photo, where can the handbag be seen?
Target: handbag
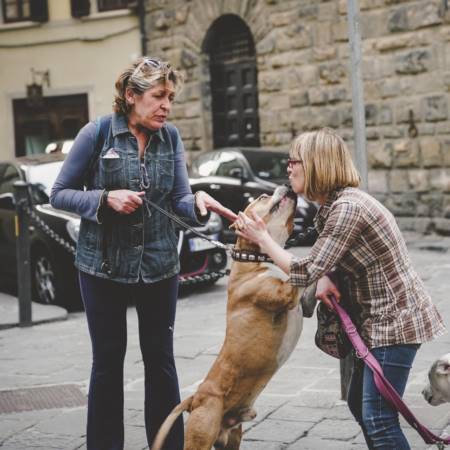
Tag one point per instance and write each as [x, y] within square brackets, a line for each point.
[330, 336]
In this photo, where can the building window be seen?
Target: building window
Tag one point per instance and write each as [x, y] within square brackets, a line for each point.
[20, 10]
[108, 5]
[16, 10]
[58, 119]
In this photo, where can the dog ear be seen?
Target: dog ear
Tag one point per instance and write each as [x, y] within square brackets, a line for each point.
[443, 366]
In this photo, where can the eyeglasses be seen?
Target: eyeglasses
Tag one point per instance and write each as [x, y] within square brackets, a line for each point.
[145, 184]
[145, 179]
[292, 162]
[155, 63]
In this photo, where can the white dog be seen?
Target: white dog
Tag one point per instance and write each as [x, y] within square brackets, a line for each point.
[438, 389]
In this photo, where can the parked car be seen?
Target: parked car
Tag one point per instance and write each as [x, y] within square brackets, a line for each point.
[53, 274]
[236, 176]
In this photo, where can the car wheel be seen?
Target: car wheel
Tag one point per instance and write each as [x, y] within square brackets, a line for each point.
[44, 279]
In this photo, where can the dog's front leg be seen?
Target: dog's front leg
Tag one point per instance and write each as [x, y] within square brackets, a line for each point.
[271, 293]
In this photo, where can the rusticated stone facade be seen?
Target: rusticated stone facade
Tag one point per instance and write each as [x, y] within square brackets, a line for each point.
[302, 56]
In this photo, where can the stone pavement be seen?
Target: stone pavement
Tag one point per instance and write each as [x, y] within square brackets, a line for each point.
[9, 312]
[45, 373]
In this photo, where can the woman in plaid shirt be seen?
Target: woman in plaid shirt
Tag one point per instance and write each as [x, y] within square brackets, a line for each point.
[359, 237]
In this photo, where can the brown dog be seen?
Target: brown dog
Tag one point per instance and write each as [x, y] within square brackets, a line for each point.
[264, 322]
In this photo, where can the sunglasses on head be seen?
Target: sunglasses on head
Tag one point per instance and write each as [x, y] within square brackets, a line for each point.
[292, 162]
[154, 63]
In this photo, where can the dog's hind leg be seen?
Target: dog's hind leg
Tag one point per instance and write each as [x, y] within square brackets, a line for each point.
[203, 425]
[234, 439]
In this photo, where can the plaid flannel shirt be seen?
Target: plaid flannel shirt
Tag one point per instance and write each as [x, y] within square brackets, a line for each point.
[359, 237]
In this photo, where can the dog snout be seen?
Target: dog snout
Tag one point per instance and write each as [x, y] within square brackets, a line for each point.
[284, 191]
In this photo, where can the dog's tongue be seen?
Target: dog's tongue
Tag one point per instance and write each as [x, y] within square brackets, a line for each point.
[225, 212]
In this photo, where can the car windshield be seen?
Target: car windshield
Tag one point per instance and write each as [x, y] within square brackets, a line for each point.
[268, 165]
[44, 174]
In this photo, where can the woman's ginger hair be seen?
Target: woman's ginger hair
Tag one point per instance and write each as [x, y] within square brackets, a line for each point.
[143, 74]
[327, 162]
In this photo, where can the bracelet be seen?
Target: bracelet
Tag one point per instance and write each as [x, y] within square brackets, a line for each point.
[104, 198]
[196, 208]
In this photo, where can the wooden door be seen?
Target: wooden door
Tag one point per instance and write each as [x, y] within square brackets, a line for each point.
[234, 87]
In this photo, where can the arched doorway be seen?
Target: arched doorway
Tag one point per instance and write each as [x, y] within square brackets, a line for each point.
[234, 89]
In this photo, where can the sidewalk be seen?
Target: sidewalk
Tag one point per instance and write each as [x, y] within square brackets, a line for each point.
[9, 312]
[45, 375]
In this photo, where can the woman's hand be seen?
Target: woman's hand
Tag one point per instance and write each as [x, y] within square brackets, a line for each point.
[252, 228]
[205, 202]
[124, 201]
[325, 290]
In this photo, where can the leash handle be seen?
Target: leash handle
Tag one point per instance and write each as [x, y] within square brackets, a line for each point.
[383, 385]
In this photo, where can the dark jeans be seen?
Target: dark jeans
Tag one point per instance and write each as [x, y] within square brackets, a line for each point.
[379, 422]
[106, 302]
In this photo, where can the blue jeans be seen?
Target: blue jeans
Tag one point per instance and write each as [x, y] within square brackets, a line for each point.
[378, 421]
[106, 303]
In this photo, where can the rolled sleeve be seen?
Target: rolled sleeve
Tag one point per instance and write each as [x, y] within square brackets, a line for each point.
[342, 228]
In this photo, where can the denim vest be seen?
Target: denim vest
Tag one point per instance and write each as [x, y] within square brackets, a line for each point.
[141, 245]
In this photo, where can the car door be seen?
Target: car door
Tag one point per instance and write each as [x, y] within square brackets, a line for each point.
[233, 175]
[9, 174]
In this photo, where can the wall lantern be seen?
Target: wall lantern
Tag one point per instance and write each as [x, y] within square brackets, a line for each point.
[35, 96]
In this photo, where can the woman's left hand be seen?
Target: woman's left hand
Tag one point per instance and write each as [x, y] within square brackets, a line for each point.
[325, 290]
[205, 202]
[251, 228]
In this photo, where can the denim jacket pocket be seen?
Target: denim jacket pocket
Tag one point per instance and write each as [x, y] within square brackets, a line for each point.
[164, 174]
[111, 169]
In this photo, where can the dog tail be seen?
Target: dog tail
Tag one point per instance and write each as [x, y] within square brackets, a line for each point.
[185, 405]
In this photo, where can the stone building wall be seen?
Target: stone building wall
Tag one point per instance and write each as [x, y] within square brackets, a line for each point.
[303, 80]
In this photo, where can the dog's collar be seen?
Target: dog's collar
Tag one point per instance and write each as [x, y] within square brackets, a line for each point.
[249, 256]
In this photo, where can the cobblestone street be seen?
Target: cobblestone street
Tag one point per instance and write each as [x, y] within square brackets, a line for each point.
[299, 409]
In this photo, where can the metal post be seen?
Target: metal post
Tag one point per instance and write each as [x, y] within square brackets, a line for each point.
[359, 117]
[359, 127]
[142, 29]
[23, 253]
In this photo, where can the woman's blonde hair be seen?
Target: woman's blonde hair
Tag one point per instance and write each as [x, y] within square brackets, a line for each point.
[141, 75]
[327, 162]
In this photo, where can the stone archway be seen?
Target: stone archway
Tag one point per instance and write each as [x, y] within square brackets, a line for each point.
[179, 32]
[230, 48]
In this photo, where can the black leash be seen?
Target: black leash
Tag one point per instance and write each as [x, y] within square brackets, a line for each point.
[183, 224]
[236, 255]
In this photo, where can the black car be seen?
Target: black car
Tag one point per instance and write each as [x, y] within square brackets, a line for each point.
[54, 233]
[236, 176]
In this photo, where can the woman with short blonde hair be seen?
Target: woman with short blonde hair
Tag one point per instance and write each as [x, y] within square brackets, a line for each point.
[358, 237]
[326, 161]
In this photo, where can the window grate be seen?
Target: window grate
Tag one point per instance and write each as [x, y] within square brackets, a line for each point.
[232, 47]
[45, 397]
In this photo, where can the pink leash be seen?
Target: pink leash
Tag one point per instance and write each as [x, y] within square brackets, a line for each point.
[386, 389]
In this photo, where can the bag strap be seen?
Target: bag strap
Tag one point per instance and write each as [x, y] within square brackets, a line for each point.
[384, 386]
[102, 126]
